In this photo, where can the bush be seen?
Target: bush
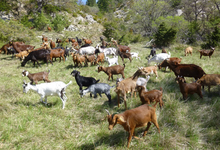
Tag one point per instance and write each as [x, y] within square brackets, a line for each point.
[25, 21]
[60, 22]
[41, 21]
[213, 39]
[164, 36]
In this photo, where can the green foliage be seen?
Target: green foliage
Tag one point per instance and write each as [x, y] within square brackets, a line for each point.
[25, 21]
[111, 30]
[213, 39]
[51, 8]
[175, 3]
[41, 21]
[4, 6]
[106, 5]
[59, 23]
[193, 30]
[164, 36]
[75, 14]
[91, 3]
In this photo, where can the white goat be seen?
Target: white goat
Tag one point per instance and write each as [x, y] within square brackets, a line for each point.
[87, 50]
[112, 61]
[48, 89]
[159, 58]
[135, 55]
[107, 50]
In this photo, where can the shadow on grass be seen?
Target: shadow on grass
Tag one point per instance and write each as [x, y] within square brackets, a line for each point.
[112, 140]
[49, 105]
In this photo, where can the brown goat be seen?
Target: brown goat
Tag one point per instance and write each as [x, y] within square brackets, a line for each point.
[187, 70]
[149, 70]
[122, 48]
[74, 58]
[46, 45]
[91, 59]
[124, 55]
[188, 88]
[57, 53]
[52, 44]
[49, 28]
[173, 60]
[87, 41]
[127, 85]
[150, 96]
[207, 52]
[80, 59]
[163, 50]
[188, 50]
[110, 71]
[4, 48]
[208, 80]
[35, 77]
[44, 39]
[135, 118]
[100, 58]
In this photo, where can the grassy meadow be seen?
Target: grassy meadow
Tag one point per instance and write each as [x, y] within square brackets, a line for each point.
[26, 123]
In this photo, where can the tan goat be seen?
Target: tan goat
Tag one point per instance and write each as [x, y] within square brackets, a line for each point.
[150, 70]
[188, 50]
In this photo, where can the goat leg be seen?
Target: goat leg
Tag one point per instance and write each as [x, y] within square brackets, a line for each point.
[148, 126]
[130, 136]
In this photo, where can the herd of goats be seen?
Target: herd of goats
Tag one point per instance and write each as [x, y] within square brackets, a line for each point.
[83, 52]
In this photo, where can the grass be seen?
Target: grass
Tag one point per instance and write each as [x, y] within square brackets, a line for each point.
[28, 124]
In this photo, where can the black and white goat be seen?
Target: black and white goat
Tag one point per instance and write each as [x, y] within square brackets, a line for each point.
[48, 89]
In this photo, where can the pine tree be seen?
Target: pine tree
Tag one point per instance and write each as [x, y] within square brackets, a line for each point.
[91, 3]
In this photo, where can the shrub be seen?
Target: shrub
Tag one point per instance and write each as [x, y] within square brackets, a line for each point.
[60, 22]
[25, 21]
[164, 36]
[40, 21]
[213, 39]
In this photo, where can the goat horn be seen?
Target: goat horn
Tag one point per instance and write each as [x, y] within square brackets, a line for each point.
[107, 111]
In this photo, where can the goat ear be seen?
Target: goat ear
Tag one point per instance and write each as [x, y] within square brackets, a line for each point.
[24, 82]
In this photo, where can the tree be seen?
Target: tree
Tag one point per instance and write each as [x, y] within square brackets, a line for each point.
[106, 5]
[91, 3]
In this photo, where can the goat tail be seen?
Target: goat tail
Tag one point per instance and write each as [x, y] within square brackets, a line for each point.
[97, 81]
[124, 65]
[68, 84]
[48, 71]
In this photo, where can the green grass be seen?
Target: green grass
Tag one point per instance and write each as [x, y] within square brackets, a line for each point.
[28, 124]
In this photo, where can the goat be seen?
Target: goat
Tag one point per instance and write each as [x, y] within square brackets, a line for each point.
[80, 59]
[49, 28]
[74, 58]
[37, 55]
[112, 61]
[79, 41]
[150, 96]
[163, 50]
[46, 45]
[208, 80]
[149, 70]
[207, 52]
[48, 89]
[135, 55]
[173, 60]
[127, 85]
[87, 50]
[44, 39]
[22, 55]
[121, 48]
[152, 52]
[106, 51]
[100, 58]
[83, 81]
[58, 41]
[104, 44]
[135, 118]
[52, 44]
[140, 81]
[159, 58]
[87, 41]
[110, 71]
[188, 50]
[98, 88]
[57, 53]
[4, 48]
[90, 59]
[187, 70]
[188, 88]
[18, 46]
[35, 77]
[124, 55]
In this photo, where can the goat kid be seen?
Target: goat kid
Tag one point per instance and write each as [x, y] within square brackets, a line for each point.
[35, 77]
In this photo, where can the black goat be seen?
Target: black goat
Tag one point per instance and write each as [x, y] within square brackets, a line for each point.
[79, 41]
[34, 56]
[83, 81]
[152, 52]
